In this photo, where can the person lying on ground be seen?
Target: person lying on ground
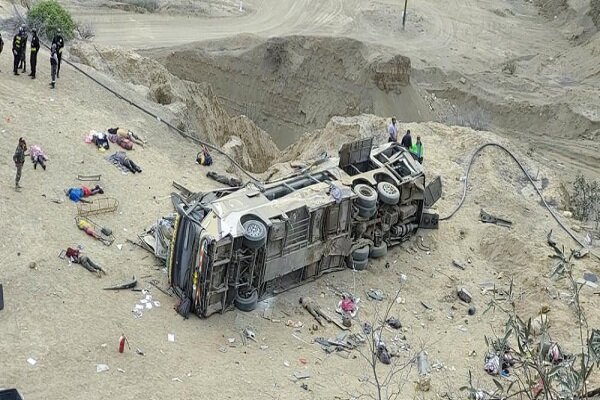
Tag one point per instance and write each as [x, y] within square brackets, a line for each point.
[127, 134]
[76, 194]
[76, 257]
[120, 158]
[121, 141]
[38, 156]
[100, 139]
[203, 157]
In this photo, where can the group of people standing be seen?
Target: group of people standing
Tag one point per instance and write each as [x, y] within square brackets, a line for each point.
[415, 148]
[19, 50]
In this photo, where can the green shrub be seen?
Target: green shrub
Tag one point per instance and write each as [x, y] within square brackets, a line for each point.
[47, 16]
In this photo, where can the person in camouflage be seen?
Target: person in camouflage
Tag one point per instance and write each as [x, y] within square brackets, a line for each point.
[19, 159]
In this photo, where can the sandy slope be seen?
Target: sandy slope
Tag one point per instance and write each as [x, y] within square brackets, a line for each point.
[58, 315]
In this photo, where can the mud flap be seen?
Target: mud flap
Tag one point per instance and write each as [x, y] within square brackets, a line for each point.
[433, 191]
[429, 221]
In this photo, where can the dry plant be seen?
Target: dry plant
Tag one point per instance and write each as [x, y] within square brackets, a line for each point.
[384, 385]
[585, 200]
[541, 369]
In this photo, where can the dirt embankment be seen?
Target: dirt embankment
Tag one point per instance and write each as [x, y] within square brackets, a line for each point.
[198, 111]
[212, 8]
[294, 84]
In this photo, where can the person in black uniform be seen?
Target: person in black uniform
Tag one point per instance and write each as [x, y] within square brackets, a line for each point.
[23, 62]
[60, 43]
[35, 48]
[16, 49]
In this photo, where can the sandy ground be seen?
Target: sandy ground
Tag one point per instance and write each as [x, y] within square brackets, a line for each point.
[457, 49]
[58, 315]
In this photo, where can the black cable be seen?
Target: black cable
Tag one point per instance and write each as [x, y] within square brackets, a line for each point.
[466, 181]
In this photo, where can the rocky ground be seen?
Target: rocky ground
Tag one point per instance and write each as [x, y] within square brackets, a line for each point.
[57, 314]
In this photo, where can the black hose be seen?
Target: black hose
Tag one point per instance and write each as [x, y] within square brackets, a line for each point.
[466, 181]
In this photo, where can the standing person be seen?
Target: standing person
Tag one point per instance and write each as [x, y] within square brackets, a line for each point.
[407, 140]
[53, 65]
[60, 44]
[19, 159]
[393, 131]
[35, 48]
[1, 44]
[417, 150]
[23, 62]
[16, 49]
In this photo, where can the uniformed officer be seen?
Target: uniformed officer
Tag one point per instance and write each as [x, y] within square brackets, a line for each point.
[60, 44]
[35, 48]
[16, 49]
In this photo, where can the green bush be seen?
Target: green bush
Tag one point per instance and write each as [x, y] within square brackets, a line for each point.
[47, 16]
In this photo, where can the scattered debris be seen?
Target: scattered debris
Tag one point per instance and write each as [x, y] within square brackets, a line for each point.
[249, 334]
[127, 285]
[31, 361]
[458, 264]
[375, 294]
[394, 322]
[428, 307]
[491, 219]
[590, 277]
[423, 364]
[301, 374]
[585, 282]
[102, 368]
[464, 295]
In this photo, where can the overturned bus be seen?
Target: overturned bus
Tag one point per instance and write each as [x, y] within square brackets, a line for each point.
[236, 246]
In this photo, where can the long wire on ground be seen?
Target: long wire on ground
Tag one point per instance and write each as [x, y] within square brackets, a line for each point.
[539, 193]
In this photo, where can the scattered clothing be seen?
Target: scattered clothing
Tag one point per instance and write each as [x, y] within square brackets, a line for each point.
[38, 157]
[100, 139]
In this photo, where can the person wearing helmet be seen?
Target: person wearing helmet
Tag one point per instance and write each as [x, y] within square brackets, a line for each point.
[60, 44]
[35, 48]
[23, 62]
[16, 49]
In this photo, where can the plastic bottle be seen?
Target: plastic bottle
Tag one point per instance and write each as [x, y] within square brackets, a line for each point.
[122, 340]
